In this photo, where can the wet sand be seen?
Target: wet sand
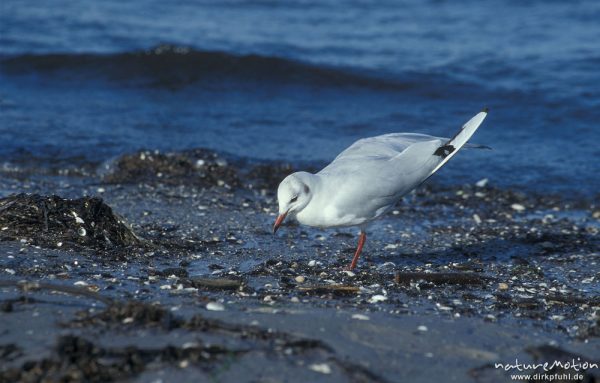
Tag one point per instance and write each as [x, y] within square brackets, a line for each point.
[173, 273]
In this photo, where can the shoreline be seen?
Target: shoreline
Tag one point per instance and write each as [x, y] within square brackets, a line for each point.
[204, 228]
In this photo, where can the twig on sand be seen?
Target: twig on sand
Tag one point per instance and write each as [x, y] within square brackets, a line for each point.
[336, 289]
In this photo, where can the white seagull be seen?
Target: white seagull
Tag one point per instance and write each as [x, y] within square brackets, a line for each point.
[367, 179]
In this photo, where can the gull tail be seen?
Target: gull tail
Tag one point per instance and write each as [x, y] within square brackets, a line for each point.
[450, 148]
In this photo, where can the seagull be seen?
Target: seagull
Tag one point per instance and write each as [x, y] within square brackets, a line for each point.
[367, 179]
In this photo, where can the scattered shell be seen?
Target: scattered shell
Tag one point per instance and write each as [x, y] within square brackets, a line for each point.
[323, 368]
[215, 306]
[377, 298]
[481, 183]
[82, 232]
[312, 263]
[477, 219]
[300, 279]
[502, 286]
[360, 317]
[80, 283]
[517, 207]
[422, 328]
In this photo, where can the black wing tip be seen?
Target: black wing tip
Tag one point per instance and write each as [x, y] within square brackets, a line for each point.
[444, 150]
[485, 110]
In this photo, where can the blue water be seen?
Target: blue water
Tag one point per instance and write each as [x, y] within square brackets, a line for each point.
[302, 80]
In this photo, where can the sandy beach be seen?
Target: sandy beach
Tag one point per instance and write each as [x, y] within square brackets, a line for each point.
[173, 273]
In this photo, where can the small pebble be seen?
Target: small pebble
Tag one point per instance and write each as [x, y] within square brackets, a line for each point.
[360, 317]
[502, 286]
[300, 279]
[422, 328]
[312, 263]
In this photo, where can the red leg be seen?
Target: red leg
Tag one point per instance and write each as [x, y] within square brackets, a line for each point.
[361, 243]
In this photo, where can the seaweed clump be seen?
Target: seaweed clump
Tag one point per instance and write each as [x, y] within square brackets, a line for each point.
[56, 222]
[199, 167]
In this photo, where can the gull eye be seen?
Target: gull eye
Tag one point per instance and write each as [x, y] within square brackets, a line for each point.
[294, 199]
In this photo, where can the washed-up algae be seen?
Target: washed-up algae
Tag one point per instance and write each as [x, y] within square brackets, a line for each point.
[199, 167]
[56, 222]
[77, 358]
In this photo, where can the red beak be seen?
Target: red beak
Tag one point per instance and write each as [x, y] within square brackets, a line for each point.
[278, 222]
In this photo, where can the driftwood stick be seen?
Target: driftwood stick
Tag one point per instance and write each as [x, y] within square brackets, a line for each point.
[27, 286]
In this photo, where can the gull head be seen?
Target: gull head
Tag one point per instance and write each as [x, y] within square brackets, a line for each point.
[293, 194]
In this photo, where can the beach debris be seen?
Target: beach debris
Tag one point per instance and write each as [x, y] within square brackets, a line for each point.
[360, 317]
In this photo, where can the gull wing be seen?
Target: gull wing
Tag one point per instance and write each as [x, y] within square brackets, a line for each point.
[394, 147]
[374, 173]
